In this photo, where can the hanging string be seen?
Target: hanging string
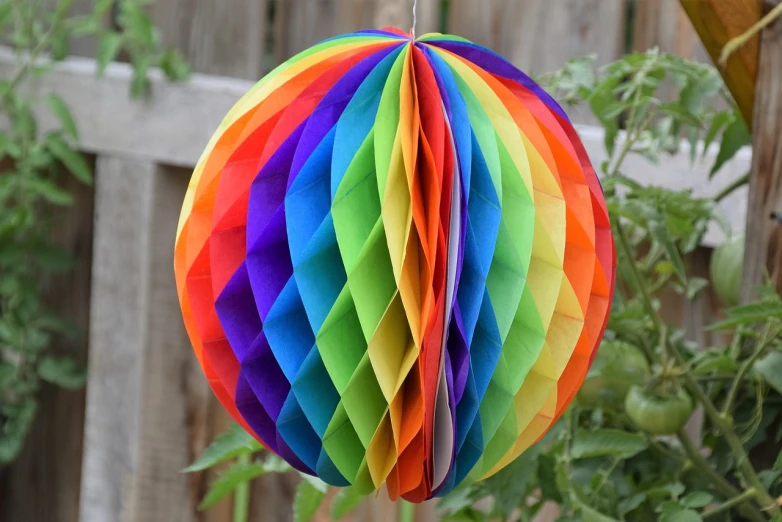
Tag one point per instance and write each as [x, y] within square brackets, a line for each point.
[415, 18]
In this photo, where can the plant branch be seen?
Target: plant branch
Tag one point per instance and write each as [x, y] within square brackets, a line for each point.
[720, 482]
[734, 44]
[241, 511]
[731, 503]
[764, 341]
[728, 190]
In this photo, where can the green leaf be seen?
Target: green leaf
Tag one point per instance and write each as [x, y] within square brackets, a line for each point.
[63, 114]
[174, 65]
[50, 191]
[778, 463]
[547, 477]
[717, 123]
[72, 160]
[345, 501]
[138, 83]
[752, 313]
[109, 45]
[770, 368]
[681, 515]
[629, 504]
[62, 371]
[591, 515]
[607, 442]
[697, 499]
[51, 257]
[662, 236]
[227, 482]
[736, 135]
[695, 285]
[226, 446]
[309, 496]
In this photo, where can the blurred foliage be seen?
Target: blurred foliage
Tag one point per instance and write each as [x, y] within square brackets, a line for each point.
[33, 163]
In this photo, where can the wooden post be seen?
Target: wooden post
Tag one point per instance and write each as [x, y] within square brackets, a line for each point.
[763, 249]
[141, 378]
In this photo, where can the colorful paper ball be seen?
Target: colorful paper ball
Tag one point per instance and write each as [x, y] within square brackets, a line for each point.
[395, 263]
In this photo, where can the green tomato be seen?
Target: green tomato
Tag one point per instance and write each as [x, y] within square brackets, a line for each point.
[658, 415]
[617, 366]
[727, 263]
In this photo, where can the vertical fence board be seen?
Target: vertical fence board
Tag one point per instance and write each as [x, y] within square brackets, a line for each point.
[141, 394]
[43, 483]
[216, 37]
[300, 24]
[117, 325]
[764, 234]
[664, 24]
[540, 35]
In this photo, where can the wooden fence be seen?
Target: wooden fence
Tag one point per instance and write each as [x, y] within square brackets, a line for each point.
[113, 452]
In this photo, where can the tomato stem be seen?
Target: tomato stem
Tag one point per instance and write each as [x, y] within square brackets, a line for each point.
[731, 503]
[764, 341]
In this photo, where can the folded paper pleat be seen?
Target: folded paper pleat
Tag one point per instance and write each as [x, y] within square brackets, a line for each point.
[394, 262]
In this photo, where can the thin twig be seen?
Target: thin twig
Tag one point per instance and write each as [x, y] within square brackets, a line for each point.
[734, 44]
[763, 342]
[731, 503]
[727, 191]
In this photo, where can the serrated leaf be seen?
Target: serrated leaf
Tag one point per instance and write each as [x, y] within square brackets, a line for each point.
[226, 446]
[735, 136]
[770, 368]
[109, 45]
[307, 500]
[60, 109]
[752, 313]
[72, 159]
[62, 371]
[697, 499]
[227, 482]
[345, 501]
[607, 442]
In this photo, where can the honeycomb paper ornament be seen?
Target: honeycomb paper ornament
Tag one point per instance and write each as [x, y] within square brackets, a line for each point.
[394, 262]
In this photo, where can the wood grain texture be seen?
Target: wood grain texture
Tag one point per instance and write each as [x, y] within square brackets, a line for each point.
[216, 37]
[144, 392]
[540, 35]
[299, 25]
[117, 325]
[664, 24]
[763, 249]
[43, 483]
[716, 22]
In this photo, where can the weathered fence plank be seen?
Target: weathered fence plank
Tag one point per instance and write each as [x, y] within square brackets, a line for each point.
[299, 25]
[227, 39]
[664, 24]
[142, 389]
[43, 483]
[540, 35]
[764, 235]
